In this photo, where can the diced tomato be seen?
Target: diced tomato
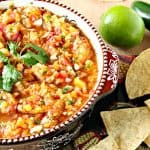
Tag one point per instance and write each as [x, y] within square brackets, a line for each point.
[55, 31]
[70, 46]
[40, 116]
[79, 93]
[2, 27]
[13, 108]
[56, 96]
[62, 75]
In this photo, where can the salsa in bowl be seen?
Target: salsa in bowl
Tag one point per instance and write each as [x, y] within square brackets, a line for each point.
[53, 66]
[48, 68]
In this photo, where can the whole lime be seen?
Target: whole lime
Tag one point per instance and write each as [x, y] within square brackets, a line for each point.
[120, 26]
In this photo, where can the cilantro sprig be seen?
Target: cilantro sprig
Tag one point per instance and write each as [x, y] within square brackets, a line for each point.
[31, 58]
[12, 47]
[3, 58]
[10, 75]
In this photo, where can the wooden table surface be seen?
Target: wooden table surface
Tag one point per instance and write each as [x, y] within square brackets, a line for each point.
[93, 9]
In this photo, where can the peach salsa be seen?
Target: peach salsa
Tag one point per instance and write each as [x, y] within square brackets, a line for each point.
[48, 69]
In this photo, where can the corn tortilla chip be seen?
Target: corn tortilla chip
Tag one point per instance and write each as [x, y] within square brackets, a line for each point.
[138, 76]
[147, 102]
[147, 141]
[107, 143]
[129, 127]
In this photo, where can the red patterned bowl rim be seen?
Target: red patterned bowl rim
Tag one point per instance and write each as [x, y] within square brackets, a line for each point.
[97, 92]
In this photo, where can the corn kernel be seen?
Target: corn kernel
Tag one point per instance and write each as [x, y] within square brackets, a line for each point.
[38, 109]
[47, 125]
[72, 29]
[4, 104]
[30, 123]
[73, 94]
[27, 107]
[79, 83]
[1, 45]
[20, 122]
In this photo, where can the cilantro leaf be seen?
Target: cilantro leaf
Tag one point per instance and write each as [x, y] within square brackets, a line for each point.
[12, 46]
[9, 76]
[7, 84]
[28, 59]
[3, 58]
[31, 58]
[1, 83]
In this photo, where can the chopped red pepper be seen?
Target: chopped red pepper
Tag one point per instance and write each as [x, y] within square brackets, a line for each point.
[2, 27]
[17, 37]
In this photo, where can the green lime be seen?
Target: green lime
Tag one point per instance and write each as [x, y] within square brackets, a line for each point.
[120, 26]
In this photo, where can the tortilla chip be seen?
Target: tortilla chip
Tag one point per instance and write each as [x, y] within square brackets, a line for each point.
[147, 141]
[138, 76]
[129, 127]
[147, 102]
[107, 143]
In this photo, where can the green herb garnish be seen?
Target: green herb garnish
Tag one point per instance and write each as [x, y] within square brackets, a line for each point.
[31, 58]
[37, 121]
[64, 49]
[9, 76]
[12, 46]
[28, 59]
[70, 101]
[3, 58]
[1, 83]
[65, 89]
[42, 102]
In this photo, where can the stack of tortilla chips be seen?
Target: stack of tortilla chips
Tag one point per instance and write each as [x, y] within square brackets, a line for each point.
[138, 76]
[127, 128]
